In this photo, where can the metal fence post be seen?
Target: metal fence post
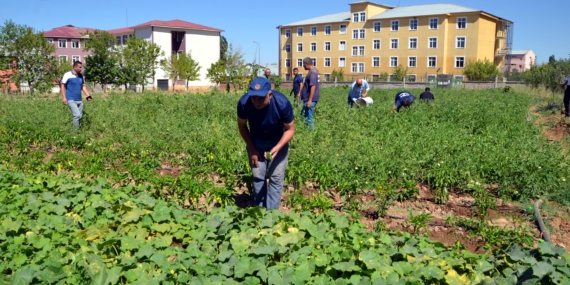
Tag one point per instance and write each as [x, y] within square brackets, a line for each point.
[335, 81]
[404, 81]
[496, 81]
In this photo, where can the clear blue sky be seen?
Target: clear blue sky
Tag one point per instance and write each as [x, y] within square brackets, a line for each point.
[543, 27]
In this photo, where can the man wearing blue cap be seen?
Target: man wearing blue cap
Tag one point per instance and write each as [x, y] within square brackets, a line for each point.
[269, 115]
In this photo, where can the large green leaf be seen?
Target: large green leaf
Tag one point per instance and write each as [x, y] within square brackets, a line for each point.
[541, 269]
[133, 215]
[346, 266]
[243, 267]
[370, 258]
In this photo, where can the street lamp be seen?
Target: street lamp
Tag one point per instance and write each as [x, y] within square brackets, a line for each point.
[259, 55]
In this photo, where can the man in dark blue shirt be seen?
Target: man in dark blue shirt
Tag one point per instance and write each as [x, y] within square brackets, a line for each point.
[426, 95]
[269, 115]
[403, 99]
[297, 84]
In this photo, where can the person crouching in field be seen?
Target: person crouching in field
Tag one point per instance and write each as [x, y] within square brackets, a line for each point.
[566, 97]
[271, 128]
[403, 99]
[72, 83]
[356, 92]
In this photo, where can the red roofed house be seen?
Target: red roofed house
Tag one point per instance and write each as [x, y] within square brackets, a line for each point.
[177, 36]
[5, 74]
[68, 41]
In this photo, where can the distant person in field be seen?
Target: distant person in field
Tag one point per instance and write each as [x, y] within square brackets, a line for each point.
[426, 95]
[566, 87]
[310, 92]
[267, 73]
[72, 83]
[358, 90]
[269, 115]
[403, 99]
[297, 85]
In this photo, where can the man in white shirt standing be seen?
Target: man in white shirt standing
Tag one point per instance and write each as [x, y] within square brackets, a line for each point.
[72, 84]
[356, 92]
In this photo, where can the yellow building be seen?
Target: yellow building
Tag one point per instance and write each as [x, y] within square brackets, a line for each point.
[372, 39]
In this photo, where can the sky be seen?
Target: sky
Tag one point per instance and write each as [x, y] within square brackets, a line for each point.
[542, 26]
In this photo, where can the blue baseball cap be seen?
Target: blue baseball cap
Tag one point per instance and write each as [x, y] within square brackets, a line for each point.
[259, 87]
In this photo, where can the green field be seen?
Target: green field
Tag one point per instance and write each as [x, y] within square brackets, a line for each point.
[102, 203]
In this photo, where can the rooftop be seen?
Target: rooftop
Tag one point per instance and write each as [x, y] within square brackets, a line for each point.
[120, 31]
[338, 17]
[68, 31]
[176, 24]
[519, 51]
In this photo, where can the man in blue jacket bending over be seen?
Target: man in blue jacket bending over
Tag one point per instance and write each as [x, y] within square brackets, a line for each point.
[269, 115]
[403, 99]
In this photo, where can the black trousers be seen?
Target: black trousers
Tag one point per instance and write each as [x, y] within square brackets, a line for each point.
[567, 100]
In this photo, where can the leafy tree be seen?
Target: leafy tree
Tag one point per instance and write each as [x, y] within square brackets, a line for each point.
[102, 65]
[33, 54]
[61, 68]
[481, 70]
[236, 69]
[217, 72]
[139, 60]
[181, 66]
[338, 74]
[400, 72]
[223, 48]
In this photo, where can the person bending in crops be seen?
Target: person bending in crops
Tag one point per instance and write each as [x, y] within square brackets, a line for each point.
[403, 99]
[355, 93]
[269, 115]
[566, 88]
[72, 83]
[310, 92]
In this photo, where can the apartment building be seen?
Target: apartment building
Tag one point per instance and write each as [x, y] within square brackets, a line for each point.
[520, 60]
[68, 42]
[371, 39]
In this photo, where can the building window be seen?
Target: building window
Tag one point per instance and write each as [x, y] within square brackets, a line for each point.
[357, 67]
[287, 77]
[130, 36]
[376, 61]
[118, 40]
[459, 61]
[413, 43]
[299, 32]
[327, 46]
[433, 23]
[50, 40]
[460, 42]
[342, 45]
[432, 42]
[74, 43]
[462, 23]
[395, 25]
[287, 62]
[361, 51]
[394, 43]
[411, 78]
[62, 58]
[375, 77]
[313, 31]
[459, 77]
[354, 34]
[328, 30]
[342, 29]
[376, 44]
[341, 62]
[62, 43]
[359, 17]
[327, 61]
[313, 46]
[314, 60]
[393, 61]
[327, 77]
[412, 61]
[74, 59]
[432, 61]
[287, 33]
[299, 62]
[125, 38]
[300, 47]
[413, 24]
[377, 26]
[362, 33]
[354, 51]
[287, 48]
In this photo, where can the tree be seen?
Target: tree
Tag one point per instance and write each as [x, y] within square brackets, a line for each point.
[61, 68]
[32, 53]
[217, 72]
[139, 60]
[481, 70]
[102, 65]
[236, 69]
[338, 74]
[181, 66]
[400, 72]
[223, 47]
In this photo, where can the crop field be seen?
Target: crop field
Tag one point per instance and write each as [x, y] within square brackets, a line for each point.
[154, 189]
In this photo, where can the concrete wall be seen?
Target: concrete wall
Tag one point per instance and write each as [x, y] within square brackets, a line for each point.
[205, 49]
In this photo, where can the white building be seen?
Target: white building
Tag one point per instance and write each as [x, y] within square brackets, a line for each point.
[177, 36]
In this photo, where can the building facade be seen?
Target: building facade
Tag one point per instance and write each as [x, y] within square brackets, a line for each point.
[520, 60]
[173, 37]
[373, 39]
[68, 42]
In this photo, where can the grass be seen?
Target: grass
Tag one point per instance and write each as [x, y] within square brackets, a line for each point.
[462, 136]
